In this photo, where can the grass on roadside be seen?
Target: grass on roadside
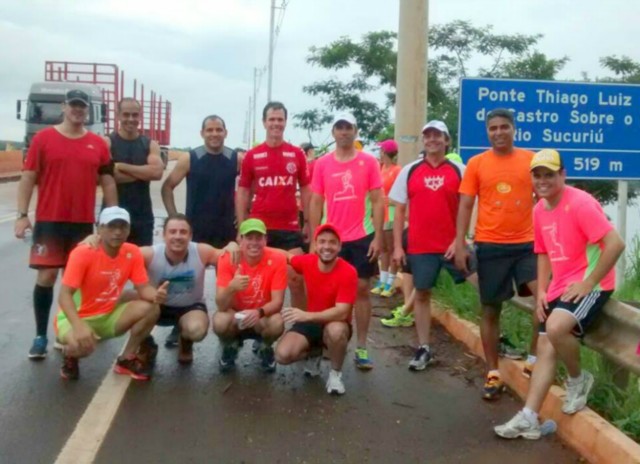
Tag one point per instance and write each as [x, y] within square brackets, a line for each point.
[620, 406]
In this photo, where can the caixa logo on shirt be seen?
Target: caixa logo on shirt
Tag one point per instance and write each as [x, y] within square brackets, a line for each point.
[276, 181]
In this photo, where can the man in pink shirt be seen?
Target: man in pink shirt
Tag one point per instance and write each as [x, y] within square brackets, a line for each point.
[348, 184]
[577, 250]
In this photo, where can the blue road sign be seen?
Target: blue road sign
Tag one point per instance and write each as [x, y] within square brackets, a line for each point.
[595, 127]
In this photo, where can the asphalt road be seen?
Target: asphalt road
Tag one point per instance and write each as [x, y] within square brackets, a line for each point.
[195, 414]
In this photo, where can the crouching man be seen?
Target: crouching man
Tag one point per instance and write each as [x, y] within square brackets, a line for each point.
[92, 313]
[332, 287]
[249, 297]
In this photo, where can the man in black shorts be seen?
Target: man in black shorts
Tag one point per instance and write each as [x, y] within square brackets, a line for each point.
[332, 285]
[137, 163]
[64, 161]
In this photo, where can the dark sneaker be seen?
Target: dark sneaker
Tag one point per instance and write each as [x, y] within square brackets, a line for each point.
[38, 348]
[508, 350]
[70, 369]
[148, 350]
[132, 366]
[172, 339]
[421, 360]
[185, 351]
[228, 358]
[493, 387]
[267, 359]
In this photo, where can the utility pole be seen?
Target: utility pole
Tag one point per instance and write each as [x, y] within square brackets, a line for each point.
[255, 96]
[411, 80]
[271, 46]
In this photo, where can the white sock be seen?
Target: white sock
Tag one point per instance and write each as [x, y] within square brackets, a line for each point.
[390, 278]
[530, 415]
[531, 359]
[495, 372]
[426, 347]
[384, 275]
[338, 373]
[575, 380]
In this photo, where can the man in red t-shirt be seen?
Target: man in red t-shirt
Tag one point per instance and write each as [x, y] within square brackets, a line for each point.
[91, 287]
[332, 287]
[64, 161]
[273, 171]
[249, 296]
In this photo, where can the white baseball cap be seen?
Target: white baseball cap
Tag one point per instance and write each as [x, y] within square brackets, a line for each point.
[113, 213]
[438, 125]
[346, 117]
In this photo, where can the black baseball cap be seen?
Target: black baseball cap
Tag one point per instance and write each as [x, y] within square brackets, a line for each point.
[77, 96]
[307, 146]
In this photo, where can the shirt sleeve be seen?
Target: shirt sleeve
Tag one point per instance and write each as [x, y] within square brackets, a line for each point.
[303, 170]
[76, 267]
[31, 162]
[592, 221]
[297, 263]
[105, 154]
[348, 290]
[246, 171]
[317, 183]
[225, 272]
[138, 271]
[470, 185]
[375, 177]
[398, 192]
[538, 239]
[279, 281]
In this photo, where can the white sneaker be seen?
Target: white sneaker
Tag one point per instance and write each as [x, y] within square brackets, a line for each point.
[519, 426]
[334, 384]
[312, 366]
[577, 394]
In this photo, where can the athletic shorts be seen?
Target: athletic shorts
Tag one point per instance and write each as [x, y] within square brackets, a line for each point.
[218, 238]
[141, 233]
[170, 315]
[285, 239]
[314, 333]
[103, 325]
[355, 253]
[586, 311]
[53, 241]
[425, 267]
[500, 266]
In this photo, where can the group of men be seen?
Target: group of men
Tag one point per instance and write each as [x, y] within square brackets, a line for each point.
[342, 217]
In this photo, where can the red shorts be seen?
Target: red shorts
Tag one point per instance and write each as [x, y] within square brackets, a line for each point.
[53, 241]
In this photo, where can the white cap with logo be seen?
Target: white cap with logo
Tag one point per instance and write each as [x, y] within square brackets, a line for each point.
[113, 213]
[437, 125]
[346, 117]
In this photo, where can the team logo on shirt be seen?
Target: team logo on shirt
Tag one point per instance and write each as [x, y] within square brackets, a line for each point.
[275, 181]
[91, 147]
[292, 168]
[503, 187]
[434, 183]
[288, 154]
[259, 155]
[555, 249]
[348, 191]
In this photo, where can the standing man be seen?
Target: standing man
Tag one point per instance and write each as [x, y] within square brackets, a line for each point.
[249, 297]
[211, 171]
[348, 183]
[500, 178]
[273, 171]
[332, 286]
[64, 160]
[93, 312]
[430, 188]
[137, 163]
[577, 250]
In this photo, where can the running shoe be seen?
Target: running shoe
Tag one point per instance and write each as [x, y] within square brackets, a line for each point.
[527, 370]
[148, 350]
[70, 369]
[132, 366]
[362, 359]
[172, 339]
[577, 393]
[267, 359]
[38, 348]
[312, 366]
[508, 350]
[399, 320]
[228, 358]
[421, 360]
[519, 426]
[493, 387]
[335, 386]
[185, 351]
[58, 346]
[388, 291]
[377, 290]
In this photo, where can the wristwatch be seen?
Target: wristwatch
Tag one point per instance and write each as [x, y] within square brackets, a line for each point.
[21, 215]
[261, 312]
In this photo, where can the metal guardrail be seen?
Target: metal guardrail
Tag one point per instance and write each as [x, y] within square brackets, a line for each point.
[615, 335]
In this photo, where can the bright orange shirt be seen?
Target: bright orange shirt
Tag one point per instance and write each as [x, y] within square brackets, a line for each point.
[505, 195]
[268, 275]
[100, 278]
[389, 175]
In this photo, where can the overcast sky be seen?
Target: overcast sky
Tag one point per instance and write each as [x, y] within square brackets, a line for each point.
[200, 54]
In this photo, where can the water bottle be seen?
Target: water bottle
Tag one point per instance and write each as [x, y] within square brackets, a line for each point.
[28, 237]
[548, 427]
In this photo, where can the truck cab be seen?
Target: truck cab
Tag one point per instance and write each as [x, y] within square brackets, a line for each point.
[44, 107]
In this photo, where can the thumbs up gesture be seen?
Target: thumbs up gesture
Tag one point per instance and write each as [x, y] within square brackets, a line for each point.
[161, 292]
[239, 281]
